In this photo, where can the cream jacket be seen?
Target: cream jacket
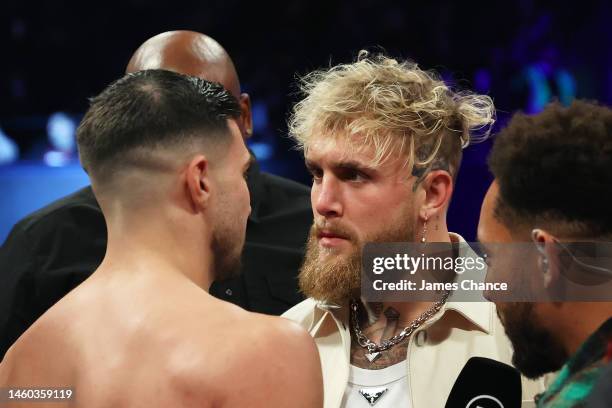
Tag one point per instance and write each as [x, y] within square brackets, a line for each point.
[436, 352]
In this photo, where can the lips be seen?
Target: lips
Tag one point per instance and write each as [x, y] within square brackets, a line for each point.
[329, 234]
[331, 239]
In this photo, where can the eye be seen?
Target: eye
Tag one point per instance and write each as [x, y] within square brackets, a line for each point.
[316, 173]
[245, 175]
[353, 175]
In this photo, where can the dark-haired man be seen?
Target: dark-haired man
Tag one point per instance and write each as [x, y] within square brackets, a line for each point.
[552, 184]
[54, 249]
[167, 164]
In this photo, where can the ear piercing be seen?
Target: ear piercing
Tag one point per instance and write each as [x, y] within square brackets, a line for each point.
[423, 238]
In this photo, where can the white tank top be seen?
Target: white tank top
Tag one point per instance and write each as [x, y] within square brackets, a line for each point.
[386, 388]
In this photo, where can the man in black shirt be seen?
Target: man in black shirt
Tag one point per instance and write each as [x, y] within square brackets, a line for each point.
[53, 250]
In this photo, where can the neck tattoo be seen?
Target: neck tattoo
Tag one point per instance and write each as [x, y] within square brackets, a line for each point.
[374, 350]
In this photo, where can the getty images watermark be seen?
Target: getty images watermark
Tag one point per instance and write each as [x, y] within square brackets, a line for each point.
[514, 272]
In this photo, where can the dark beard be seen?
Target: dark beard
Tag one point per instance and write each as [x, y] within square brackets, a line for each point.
[536, 351]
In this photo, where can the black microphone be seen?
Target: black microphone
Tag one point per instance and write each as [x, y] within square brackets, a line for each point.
[486, 383]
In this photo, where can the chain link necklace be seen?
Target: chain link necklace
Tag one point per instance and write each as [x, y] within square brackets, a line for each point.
[374, 349]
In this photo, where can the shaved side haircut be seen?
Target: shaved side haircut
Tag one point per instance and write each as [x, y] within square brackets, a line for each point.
[148, 111]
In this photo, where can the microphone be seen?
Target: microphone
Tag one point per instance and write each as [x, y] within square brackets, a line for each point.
[486, 383]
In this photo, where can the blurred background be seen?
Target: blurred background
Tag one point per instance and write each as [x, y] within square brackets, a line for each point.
[57, 53]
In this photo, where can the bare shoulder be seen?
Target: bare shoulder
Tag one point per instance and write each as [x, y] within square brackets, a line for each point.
[280, 330]
[260, 361]
[252, 335]
[257, 325]
[281, 366]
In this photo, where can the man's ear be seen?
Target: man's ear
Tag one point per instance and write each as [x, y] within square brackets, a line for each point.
[438, 187]
[198, 182]
[246, 116]
[548, 261]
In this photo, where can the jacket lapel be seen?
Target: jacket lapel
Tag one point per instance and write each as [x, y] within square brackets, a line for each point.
[333, 341]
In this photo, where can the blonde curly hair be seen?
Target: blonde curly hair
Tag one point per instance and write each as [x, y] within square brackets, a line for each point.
[394, 106]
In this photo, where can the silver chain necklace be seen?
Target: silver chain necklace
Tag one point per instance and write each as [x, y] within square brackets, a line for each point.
[374, 349]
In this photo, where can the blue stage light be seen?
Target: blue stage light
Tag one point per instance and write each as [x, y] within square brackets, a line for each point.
[539, 90]
[55, 158]
[263, 151]
[61, 130]
[9, 151]
[567, 86]
[482, 80]
[259, 111]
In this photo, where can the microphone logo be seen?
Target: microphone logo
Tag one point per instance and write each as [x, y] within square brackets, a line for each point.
[484, 401]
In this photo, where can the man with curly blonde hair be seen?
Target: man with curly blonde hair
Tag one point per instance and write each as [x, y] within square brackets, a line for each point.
[383, 140]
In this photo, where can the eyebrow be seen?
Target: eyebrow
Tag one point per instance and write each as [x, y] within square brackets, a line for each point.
[343, 164]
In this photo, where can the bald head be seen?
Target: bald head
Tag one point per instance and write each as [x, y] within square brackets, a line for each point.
[189, 53]
[195, 54]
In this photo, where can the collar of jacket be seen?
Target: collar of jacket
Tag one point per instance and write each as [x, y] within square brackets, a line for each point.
[479, 313]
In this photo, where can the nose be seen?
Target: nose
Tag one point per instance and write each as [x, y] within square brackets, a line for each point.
[325, 197]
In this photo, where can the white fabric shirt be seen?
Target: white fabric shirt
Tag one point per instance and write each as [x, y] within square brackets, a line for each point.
[386, 388]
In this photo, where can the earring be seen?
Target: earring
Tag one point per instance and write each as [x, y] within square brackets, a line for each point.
[423, 238]
[545, 264]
